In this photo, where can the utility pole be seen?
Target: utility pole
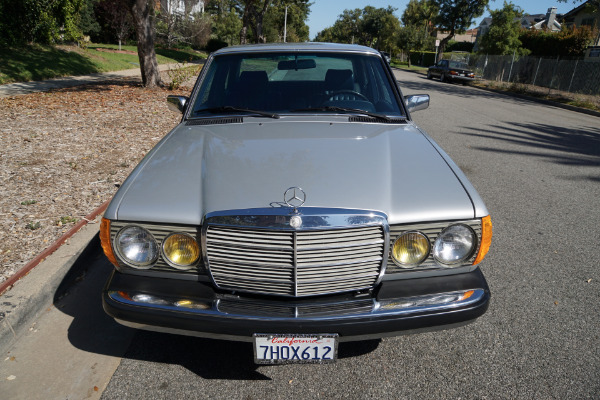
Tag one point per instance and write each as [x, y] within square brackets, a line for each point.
[285, 26]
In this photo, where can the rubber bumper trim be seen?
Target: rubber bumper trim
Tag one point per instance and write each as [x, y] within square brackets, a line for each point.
[372, 325]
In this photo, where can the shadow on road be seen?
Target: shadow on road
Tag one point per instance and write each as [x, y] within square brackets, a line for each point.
[573, 146]
[93, 331]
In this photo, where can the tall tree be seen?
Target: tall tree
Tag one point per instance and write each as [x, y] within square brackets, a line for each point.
[252, 18]
[456, 16]
[370, 26]
[226, 20]
[142, 12]
[503, 35]
[297, 14]
[421, 14]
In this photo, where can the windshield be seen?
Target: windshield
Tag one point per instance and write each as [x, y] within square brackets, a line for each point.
[458, 65]
[286, 83]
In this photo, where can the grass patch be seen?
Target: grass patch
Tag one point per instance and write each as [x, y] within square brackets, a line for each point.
[404, 66]
[36, 62]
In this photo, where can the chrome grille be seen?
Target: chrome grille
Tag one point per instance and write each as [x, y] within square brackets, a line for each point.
[295, 263]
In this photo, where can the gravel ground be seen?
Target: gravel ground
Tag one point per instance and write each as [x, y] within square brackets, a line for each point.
[65, 152]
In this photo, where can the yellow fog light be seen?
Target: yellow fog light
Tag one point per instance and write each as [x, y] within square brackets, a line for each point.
[181, 250]
[410, 249]
[192, 304]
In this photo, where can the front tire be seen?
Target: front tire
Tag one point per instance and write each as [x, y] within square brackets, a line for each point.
[429, 75]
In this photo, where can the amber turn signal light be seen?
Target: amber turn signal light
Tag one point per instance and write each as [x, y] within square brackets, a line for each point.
[105, 241]
[486, 239]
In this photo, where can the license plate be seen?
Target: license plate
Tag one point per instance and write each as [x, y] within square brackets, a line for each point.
[287, 349]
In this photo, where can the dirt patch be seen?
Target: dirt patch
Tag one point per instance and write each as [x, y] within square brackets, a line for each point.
[591, 102]
[65, 152]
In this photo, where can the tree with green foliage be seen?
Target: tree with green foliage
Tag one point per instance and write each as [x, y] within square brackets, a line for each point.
[39, 21]
[252, 19]
[410, 39]
[456, 16]
[297, 14]
[570, 42]
[226, 20]
[346, 28]
[373, 27]
[87, 22]
[422, 15]
[417, 34]
[503, 36]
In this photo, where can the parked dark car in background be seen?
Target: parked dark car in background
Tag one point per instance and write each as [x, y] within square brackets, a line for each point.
[451, 71]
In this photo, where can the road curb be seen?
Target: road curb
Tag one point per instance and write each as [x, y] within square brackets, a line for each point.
[525, 97]
[45, 278]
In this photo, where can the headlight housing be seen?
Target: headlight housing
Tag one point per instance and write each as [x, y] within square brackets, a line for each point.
[136, 247]
[410, 249]
[454, 245]
[181, 250]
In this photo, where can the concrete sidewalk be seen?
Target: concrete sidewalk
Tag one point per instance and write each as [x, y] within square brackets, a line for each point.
[56, 342]
[20, 88]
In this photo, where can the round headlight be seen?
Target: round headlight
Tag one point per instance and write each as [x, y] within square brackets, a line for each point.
[181, 250]
[410, 249]
[454, 245]
[137, 247]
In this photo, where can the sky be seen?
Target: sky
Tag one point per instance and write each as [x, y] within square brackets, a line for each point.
[324, 13]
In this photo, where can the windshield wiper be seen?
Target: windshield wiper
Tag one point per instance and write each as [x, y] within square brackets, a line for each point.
[236, 109]
[346, 109]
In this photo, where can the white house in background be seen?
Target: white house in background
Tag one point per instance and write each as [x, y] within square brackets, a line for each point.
[549, 22]
[530, 21]
[182, 7]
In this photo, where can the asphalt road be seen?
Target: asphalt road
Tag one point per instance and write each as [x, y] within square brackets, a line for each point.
[538, 169]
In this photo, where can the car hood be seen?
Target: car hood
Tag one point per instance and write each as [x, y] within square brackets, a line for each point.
[392, 168]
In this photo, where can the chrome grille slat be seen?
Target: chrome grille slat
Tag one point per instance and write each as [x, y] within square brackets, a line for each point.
[311, 262]
[291, 311]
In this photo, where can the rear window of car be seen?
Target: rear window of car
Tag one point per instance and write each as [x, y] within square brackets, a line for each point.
[456, 64]
[289, 82]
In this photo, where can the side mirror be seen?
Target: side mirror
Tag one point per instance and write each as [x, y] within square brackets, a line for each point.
[417, 102]
[177, 103]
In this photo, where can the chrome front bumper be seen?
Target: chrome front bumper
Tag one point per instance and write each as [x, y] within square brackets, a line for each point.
[396, 307]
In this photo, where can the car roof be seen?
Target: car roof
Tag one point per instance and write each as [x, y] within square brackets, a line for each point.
[307, 47]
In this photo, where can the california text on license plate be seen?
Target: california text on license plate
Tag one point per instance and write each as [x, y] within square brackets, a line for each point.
[290, 348]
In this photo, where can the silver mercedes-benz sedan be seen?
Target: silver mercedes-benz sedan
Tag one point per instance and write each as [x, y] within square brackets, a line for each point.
[296, 205]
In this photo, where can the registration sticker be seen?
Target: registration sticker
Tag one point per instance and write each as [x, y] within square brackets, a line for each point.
[290, 348]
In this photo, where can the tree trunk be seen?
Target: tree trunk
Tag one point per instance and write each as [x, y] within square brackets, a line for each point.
[245, 23]
[142, 11]
[259, 16]
[443, 44]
